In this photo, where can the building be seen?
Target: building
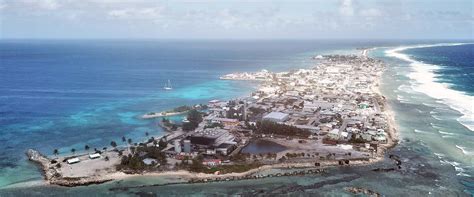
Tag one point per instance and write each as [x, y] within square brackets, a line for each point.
[73, 160]
[177, 146]
[212, 162]
[276, 117]
[187, 146]
[94, 156]
[211, 137]
[149, 161]
[225, 148]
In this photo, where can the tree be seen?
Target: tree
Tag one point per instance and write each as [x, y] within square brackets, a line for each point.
[194, 116]
[268, 127]
[113, 144]
[162, 144]
[86, 147]
[73, 150]
[197, 165]
[56, 152]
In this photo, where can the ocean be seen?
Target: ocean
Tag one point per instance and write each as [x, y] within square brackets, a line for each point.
[65, 94]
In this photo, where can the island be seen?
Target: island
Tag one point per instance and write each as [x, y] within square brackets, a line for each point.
[331, 114]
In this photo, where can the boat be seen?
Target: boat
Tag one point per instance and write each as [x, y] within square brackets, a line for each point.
[168, 86]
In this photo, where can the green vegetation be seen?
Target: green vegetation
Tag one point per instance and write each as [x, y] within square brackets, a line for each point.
[194, 117]
[240, 157]
[268, 127]
[357, 140]
[197, 166]
[113, 144]
[256, 111]
[134, 162]
[182, 109]
[214, 125]
[162, 144]
[56, 152]
[169, 124]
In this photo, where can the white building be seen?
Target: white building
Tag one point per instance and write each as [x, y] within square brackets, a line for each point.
[276, 117]
[177, 146]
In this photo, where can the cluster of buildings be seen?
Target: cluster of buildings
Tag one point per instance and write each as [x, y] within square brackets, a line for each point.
[337, 101]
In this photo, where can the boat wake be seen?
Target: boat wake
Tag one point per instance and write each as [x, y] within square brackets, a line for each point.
[426, 83]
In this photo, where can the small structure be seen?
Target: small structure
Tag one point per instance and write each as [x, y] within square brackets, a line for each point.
[94, 156]
[333, 134]
[276, 117]
[187, 146]
[149, 161]
[73, 160]
[177, 146]
[212, 162]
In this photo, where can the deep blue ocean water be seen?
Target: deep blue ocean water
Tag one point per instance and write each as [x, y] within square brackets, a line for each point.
[456, 62]
[67, 93]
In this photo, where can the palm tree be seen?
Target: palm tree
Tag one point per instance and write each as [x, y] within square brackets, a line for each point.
[113, 144]
[129, 143]
[86, 147]
[56, 152]
[73, 150]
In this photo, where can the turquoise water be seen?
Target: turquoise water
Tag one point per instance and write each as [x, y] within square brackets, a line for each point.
[67, 94]
[64, 94]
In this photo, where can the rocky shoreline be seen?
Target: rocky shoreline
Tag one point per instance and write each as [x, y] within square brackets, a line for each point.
[52, 176]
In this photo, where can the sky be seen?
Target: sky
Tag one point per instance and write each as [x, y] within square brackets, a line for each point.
[237, 19]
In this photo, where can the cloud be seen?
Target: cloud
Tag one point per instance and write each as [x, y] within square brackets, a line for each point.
[136, 13]
[346, 8]
[371, 12]
[41, 4]
[2, 6]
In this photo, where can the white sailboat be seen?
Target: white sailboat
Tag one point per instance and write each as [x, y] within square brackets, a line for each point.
[168, 86]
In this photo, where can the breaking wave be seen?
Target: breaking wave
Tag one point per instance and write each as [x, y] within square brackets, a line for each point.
[426, 83]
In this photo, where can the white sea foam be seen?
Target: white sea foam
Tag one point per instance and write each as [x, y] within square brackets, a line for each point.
[435, 126]
[405, 88]
[436, 117]
[426, 83]
[447, 136]
[424, 132]
[463, 174]
[465, 150]
[446, 133]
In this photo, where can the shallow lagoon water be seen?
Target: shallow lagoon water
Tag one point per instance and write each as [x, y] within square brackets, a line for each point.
[105, 110]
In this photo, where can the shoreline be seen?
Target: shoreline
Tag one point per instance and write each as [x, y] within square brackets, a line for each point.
[392, 140]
